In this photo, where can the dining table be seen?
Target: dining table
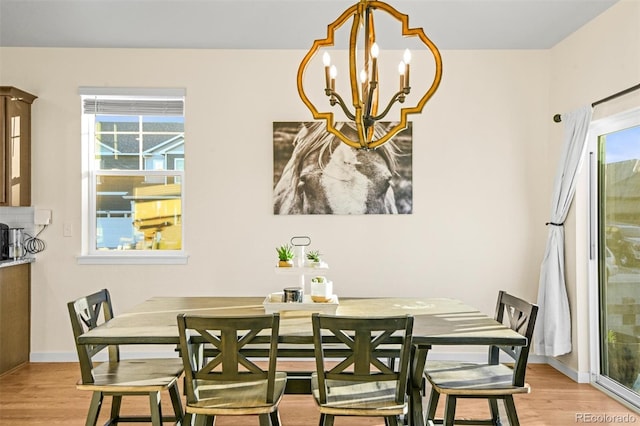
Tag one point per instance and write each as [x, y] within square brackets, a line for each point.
[437, 321]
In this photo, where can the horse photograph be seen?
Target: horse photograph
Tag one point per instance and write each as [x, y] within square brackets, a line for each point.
[314, 172]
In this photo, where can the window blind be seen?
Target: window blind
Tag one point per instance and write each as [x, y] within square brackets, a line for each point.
[132, 101]
[132, 106]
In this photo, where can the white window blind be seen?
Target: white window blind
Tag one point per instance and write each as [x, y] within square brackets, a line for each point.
[138, 101]
[133, 107]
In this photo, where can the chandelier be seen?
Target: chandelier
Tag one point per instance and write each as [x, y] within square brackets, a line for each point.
[363, 107]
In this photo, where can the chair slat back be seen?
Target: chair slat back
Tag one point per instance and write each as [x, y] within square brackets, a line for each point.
[228, 336]
[520, 316]
[87, 313]
[361, 346]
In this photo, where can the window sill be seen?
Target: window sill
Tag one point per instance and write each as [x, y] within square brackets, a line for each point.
[132, 259]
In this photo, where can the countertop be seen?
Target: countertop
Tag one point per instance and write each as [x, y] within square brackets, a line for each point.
[12, 262]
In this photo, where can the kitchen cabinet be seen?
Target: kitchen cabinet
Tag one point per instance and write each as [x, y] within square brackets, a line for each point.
[15, 146]
[15, 316]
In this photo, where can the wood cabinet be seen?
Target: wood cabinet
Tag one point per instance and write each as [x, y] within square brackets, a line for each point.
[15, 316]
[15, 146]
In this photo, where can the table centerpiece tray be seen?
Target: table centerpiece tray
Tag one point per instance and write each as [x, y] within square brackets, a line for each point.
[273, 303]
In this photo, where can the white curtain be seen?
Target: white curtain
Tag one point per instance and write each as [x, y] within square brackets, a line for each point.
[552, 334]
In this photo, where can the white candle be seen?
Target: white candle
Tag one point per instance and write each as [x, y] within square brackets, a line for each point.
[375, 51]
[401, 68]
[326, 60]
[407, 59]
[333, 72]
[363, 82]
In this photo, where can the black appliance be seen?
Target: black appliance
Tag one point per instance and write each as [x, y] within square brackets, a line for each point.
[4, 241]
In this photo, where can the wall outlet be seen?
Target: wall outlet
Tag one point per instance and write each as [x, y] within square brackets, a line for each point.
[42, 217]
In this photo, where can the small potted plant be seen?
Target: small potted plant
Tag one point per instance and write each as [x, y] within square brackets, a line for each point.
[313, 258]
[321, 289]
[285, 256]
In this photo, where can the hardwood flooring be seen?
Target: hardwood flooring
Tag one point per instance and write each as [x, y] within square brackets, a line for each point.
[45, 394]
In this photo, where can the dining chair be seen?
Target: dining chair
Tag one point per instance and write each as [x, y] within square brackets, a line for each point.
[116, 377]
[354, 376]
[222, 381]
[492, 380]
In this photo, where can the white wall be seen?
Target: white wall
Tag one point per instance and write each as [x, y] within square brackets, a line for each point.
[485, 151]
[480, 186]
[599, 60]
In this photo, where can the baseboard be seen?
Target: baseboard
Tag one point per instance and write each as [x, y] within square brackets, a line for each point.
[478, 357]
[53, 357]
[576, 376]
[73, 357]
[580, 377]
[434, 355]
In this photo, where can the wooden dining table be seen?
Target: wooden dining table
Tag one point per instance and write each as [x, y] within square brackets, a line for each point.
[437, 321]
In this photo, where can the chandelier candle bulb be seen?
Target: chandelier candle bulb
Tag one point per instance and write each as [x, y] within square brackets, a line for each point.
[375, 50]
[326, 60]
[363, 81]
[333, 72]
[406, 59]
[401, 68]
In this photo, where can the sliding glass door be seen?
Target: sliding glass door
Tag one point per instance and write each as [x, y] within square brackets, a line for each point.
[618, 252]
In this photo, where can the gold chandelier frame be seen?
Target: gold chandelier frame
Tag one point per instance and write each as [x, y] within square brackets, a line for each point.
[365, 104]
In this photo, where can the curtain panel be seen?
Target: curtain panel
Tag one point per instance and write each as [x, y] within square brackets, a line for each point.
[552, 336]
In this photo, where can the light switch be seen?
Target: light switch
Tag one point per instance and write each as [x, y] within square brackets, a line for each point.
[67, 229]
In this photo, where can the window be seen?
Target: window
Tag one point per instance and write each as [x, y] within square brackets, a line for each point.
[615, 141]
[134, 145]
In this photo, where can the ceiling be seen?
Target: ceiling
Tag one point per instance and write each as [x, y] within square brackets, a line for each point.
[282, 24]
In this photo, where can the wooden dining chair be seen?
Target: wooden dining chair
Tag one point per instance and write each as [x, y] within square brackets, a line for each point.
[492, 380]
[228, 383]
[354, 376]
[115, 377]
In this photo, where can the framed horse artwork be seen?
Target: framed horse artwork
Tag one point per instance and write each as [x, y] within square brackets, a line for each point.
[315, 173]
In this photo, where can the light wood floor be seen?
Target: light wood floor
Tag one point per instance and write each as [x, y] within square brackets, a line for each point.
[45, 394]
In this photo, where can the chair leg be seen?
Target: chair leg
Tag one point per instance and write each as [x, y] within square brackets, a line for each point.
[391, 421]
[176, 401]
[202, 420]
[187, 420]
[433, 404]
[275, 417]
[264, 419]
[116, 403]
[512, 415]
[495, 413]
[449, 410]
[94, 409]
[326, 420]
[392, 363]
[156, 408]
